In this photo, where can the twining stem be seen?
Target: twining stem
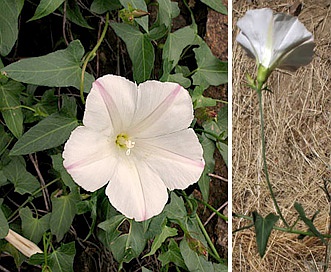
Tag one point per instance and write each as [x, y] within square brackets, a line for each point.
[265, 166]
[90, 56]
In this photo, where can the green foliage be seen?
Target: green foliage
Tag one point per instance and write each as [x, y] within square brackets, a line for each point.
[58, 69]
[34, 228]
[263, 228]
[9, 12]
[40, 106]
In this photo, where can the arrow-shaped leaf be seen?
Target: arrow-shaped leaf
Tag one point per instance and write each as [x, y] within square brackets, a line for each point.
[263, 228]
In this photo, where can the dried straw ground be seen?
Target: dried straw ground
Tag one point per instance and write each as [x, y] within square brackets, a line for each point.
[298, 135]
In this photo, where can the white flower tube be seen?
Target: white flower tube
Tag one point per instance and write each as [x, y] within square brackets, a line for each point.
[24, 245]
[275, 40]
[135, 139]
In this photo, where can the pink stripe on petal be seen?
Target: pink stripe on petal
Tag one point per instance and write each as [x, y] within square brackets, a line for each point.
[160, 110]
[112, 109]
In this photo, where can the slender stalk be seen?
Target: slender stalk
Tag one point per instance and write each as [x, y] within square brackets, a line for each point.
[90, 56]
[265, 166]
[210, 243]
[213, 209]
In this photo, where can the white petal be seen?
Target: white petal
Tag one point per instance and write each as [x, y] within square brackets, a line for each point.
[300, 56]
[290, 34]
[162, 107]
[111, 104]
[90, 158]
[255, 26]
[177, 158]
[135, 190]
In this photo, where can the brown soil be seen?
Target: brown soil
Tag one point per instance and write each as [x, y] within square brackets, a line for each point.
[298, 129]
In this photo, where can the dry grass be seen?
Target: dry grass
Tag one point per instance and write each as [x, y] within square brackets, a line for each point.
[298, 135]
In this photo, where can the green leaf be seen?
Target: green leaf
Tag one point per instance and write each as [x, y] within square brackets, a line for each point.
[45, 8]
[57, 161]
[220, 267]
[140, 49]
[308, 222]
[4, 227]
[193, 261]
[5, 140]
[3, 180]
[173, 255]
[129, 246]
[200, 101]
[101, 6]
[10, 106]
[58, 69]
[159, 239]
[9, 12]
[34, 228]
[222, 120]
[62, 259]
[223, 149]
[137, 4]
[51, 132]
[208, 155]
[216, 5]
[263, 228]
[180, 79]
[210, 71]
[175, 210]
[63, 213]
[16, 173]
[110, 228]
[167, 11]
[75, 15]
[175, 44]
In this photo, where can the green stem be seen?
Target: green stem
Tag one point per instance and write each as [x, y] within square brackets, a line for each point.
[259, 93]
[210, 243]
[90, 56]
[213, 209]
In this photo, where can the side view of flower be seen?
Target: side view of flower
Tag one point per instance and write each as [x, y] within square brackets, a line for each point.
[275, 40]
[136, 139]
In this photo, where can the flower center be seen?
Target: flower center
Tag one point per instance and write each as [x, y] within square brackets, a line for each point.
[123, 141]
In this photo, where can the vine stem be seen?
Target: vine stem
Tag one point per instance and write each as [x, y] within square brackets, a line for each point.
[265, 166]
[90, 56]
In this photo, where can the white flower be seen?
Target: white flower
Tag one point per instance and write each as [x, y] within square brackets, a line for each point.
[137, 139]
[275, 40]
[24, 245]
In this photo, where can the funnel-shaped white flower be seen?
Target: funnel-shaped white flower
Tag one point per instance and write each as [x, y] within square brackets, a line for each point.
[137, 139]
[24, 245]
[275, 40]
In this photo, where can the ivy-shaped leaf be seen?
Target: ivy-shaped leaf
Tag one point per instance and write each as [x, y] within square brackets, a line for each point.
[58, 69]
[62, 259]
[263, 228]
[210, 71]
[173, 255]
[24, 182]
[34, 228]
